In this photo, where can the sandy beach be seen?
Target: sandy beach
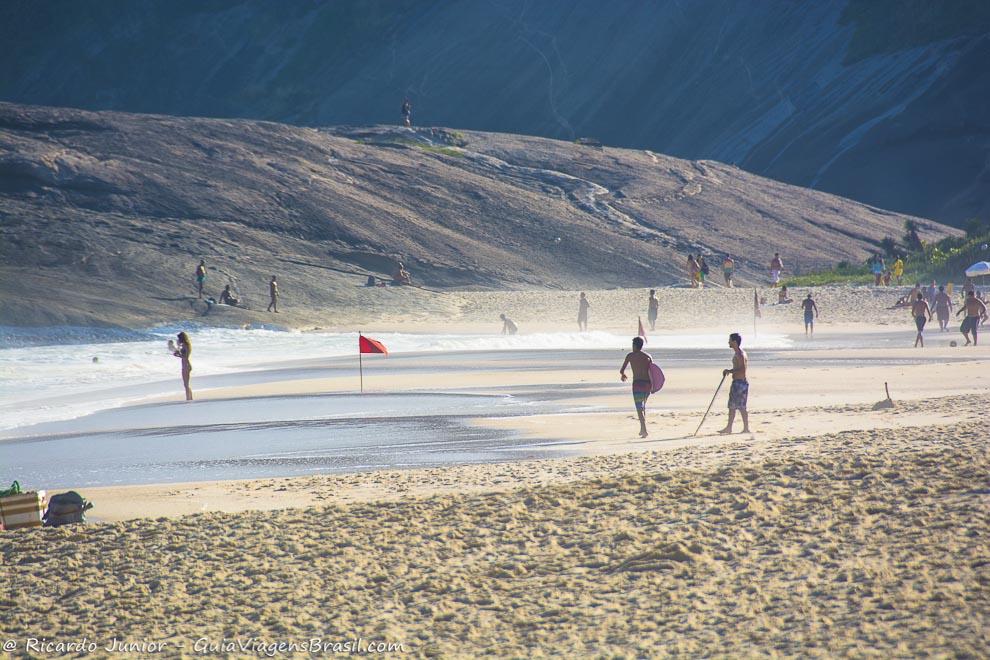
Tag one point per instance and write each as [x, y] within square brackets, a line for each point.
[838, 527]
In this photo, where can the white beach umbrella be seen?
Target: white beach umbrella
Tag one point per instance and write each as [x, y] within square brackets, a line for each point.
[979, 269]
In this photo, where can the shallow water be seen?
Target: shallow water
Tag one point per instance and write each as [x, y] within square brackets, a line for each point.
[268, 436]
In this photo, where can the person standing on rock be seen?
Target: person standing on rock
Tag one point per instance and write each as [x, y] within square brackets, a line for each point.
[703, 270]
[653, 310]
[406, 113]
[273, 295]
[200, 277]
[583, 306]
[728, 266]
[695, 271]
[776, 268]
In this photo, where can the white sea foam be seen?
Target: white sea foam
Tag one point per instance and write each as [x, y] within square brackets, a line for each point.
[61, 381]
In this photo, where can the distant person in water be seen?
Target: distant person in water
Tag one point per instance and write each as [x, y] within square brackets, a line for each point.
[641, 385]
[943, 309]
[273, 295]
[810, 314]
[739, 391]
[227, 297]
[508, 326]
[406, 113]
[975, 310]
[200, 277]
[183, 351]
[776, 268]
[583, 306]
[922, 313]
[728, 267]
[653, 310]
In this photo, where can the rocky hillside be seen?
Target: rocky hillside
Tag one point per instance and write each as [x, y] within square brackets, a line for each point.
[883, 101]
[104, 215]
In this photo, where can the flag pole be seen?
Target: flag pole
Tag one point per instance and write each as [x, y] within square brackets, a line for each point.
[360, 363]
[756, 303]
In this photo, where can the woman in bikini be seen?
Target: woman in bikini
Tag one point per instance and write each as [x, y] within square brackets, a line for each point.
[183, 352]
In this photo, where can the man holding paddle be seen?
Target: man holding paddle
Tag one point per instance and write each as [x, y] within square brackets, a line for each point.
[739, 392]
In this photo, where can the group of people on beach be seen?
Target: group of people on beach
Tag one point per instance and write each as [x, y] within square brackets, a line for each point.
[228, 296]
[699, 270]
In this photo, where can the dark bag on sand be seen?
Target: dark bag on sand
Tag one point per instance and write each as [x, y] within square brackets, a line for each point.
[65, 509]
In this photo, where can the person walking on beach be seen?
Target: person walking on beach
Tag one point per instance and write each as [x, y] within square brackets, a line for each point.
[922, 313]
[943, 308]
[508, 327]
[583, 306]
[653, 310]
[641, 385]
[703, 270]
[273, 295]
[183, 351]
[728, 266]
[200, 277]
[975, 310]
[739, 392]
[810, 314]
[776, 268]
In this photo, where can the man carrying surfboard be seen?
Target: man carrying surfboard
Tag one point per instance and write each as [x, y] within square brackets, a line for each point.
[642, 385]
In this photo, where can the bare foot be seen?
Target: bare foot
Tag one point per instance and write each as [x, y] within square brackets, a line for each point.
[745, 430]
[643, 434]
[725, 431]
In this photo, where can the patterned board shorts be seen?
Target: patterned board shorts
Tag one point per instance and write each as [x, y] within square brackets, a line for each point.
[641, 392]
[738, 395]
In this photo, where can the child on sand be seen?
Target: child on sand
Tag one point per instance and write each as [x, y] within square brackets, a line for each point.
[641, 385]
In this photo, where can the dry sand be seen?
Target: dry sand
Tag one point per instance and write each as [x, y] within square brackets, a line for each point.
[861, 543]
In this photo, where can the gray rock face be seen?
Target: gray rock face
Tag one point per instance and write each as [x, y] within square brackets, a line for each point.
[120, 207]
[882, 101]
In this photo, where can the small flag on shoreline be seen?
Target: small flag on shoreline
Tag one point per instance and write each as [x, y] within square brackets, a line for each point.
[642, 330]
[366, 345]
[756, 304]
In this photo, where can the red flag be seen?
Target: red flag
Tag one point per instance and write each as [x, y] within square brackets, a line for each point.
[642, 331]
[366, 345]
[756, 305]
